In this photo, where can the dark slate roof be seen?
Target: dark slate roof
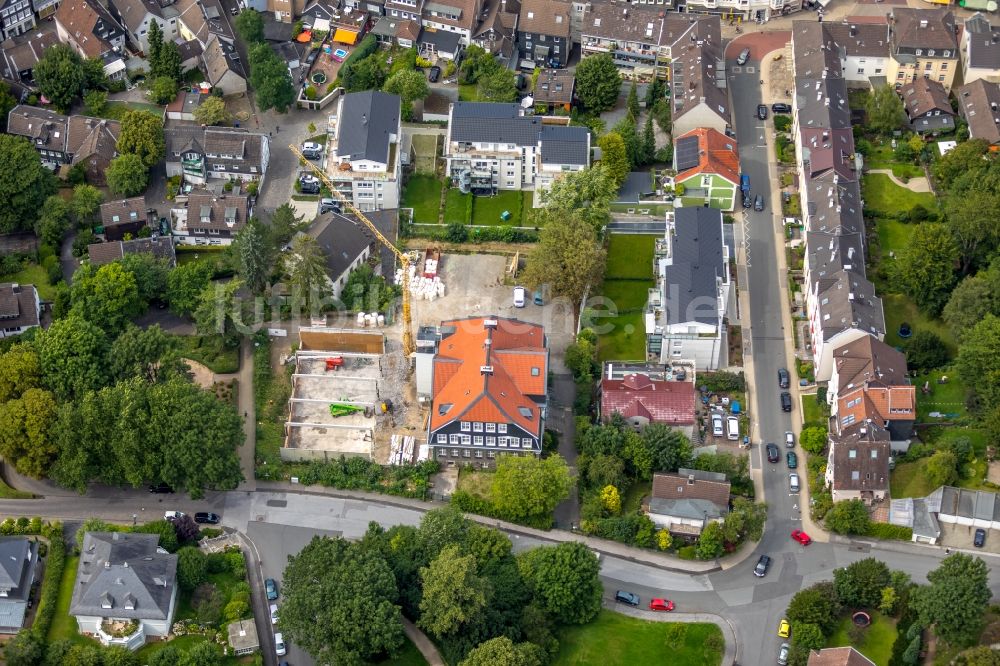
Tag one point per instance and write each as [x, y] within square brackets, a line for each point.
[448, 42]
[17, 305]
[123, 568]
[387, 222]
[367, 119]
[343, 239]
[161, 247]
[692, 292]
[564, 144]
[979, 103]
[15, 556]
[686, 153]
[485, 122]
[984, 43]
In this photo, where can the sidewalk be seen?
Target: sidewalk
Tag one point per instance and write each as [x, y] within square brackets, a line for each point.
[424, 644]
[605, 547]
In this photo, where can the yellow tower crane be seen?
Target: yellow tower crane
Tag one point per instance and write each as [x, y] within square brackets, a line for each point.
[404, 260]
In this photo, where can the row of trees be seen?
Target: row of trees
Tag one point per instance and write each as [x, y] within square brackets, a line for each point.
[494, 82]
[269, 75]
[952, 605]
[459, 581]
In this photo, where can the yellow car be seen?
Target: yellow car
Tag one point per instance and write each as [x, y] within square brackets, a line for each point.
[784, 629]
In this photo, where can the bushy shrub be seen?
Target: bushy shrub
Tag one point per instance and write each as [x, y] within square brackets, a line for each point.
[360, 474]
[236, 610]
[50, 583]
[887, 531]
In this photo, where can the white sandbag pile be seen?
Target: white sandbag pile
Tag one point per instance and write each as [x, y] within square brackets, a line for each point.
[422, 288]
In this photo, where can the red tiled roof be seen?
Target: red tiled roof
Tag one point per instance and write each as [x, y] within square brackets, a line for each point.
[672, 403]
[840, 656]
[515, 352]
[716, 154]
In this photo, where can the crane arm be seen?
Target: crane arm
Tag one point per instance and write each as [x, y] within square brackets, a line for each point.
[404, 260]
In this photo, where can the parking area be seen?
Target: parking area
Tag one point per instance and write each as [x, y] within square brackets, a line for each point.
[960, 537]
[479, 284]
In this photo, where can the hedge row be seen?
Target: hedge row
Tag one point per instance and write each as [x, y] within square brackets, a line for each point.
[360, 474]
[54, 565]
[471, 504]
[887, 531]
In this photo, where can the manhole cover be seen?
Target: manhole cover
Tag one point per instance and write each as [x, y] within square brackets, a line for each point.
[277, 503]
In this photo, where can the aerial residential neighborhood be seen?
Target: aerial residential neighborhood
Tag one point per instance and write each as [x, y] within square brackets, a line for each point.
[499, 332]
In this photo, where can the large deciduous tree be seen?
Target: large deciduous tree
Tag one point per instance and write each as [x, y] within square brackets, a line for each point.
[19, 371]
[670, 448]
[73, 357]
[212, 111]
[975, 297]
[25, 432]
[848, 517]
[61, 75]
[941, 469]
[956, 598]
[529, 487]
[568, 257]
[270, 79]
[598, 83]
[926, 269]
[147, 353]
[817, 605]
[127, 175]
[498, 86]
[587, 194]
[108, 296]
[564, 580]
[410, 85]
[24, 184]
[340, 602]
[53, 221]
[142, 135]
[860, 584]
[973, 211]
[979, 360]
[925, 351]
[220, 311]
[185, 285]
[885, 112]
[250, 26]
[453, 593]
[502, 651]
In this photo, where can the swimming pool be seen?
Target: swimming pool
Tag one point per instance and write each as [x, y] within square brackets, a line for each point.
[339, 55]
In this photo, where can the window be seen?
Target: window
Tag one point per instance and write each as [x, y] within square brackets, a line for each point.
[502, 441]
[466, 426]
[491, 454]
[901, 75]
[466, 440]
[526, 443]
[874, 454]
[491, 441]
[491, 427]
[479, 454]
[477, 440]
[878, 70]
[442, 438]
[477, 427]
[454, 453]
[861, 70]
[944, 66]
[676, 352]
[919, 52]
[855, 476]
[218, 167]
[536, 372]
[501, 427]
[941, 79]
[453, 439]
[466, 453]
[928, 65]
[847, 420]
[678, 343]
[853, 453]
[930, 52]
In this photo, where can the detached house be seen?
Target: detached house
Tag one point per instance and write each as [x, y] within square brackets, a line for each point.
[980, 50]
[348, 244]
[124, 579]
[857, 465]
[71, 140]
[90, 30]
[138, 15]
[211, 219]
[486, 379]
[20, 308]
[21, 54]
[161, 247]
[685, 316]
[708, 166]
[125, 216]
[543, 33]
[222, 66]
[924, 43]
[363, 151]
[641, 400]
[201, 154]
[927, 106]
[685, 502]
[979, 104]
[18, 562]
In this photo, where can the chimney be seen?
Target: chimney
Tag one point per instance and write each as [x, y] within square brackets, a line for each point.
[923, 23]
[125, 564]
[107, 564]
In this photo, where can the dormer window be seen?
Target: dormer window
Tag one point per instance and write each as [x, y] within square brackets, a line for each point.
[444, 408]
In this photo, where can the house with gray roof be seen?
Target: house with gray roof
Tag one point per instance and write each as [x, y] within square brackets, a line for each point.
[161, 247]
[698, 87]
[222, 66]
[927, 107]
[973, 509]
[980, 50]
[20, 308]
[685, 502]
[211, 218]
[18, 562]
[685, 317]
[204, 154]
[363, 149]
[492, 146]
[979, 104]
[124, 581]
[348, 244]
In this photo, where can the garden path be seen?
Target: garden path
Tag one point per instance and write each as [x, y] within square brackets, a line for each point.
[918, 184]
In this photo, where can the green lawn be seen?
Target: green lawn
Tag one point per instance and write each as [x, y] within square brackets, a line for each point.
[457, 207]
[476, 483]
[630, 257]
[883, 195]
[210, 351]
[117, 110]
[468, 92]
[423, 195]
[613, 640]
[63, 624]
[898, 308]
[487, 210]
[632, 501]
[909, 480]
[408, 656]
[812, 412]
[881, 157]
[36, 275]
[877, 641]
[215, 257]
[625, 337]
[893, 235]
[948, 398]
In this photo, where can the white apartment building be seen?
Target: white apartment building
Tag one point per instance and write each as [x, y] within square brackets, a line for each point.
[363, 149]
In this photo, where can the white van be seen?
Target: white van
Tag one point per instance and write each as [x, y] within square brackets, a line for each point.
[732, 427]
[519, 296]
[717, 425]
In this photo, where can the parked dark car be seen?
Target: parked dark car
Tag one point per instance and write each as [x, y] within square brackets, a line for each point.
[433, 74]
[980, 539]
[763, 564]
[160, 488]
[329, 206]
[779, 107]
[772, 453]
[271, 589]
[783, 378]
[630, 598]
[792, 460]
[786, 401]
[758, 202]
[762, 111]
[555, 63]
[310, 188]
[747, 199]
[206, 518]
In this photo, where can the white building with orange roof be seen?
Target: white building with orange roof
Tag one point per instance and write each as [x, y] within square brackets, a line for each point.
[708, 167]
[486, 379]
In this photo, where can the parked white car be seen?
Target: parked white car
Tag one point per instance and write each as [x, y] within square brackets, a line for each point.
[732, 427]
[790, 439]
[519, 297]
[274, 613]
[717, 429]
[279, 645]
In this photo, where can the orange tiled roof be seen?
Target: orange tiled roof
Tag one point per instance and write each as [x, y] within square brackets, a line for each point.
[716, 154]
[881, 404]
[463, 391]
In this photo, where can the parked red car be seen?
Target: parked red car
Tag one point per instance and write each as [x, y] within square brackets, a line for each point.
[801, 537]
[661, 605]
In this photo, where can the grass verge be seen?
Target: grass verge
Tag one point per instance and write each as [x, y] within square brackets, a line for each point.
[63, 624]
[614, 639]
[6, 492]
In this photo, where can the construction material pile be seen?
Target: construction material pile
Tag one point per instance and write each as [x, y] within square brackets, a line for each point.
[421, 288]
[401, 449]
